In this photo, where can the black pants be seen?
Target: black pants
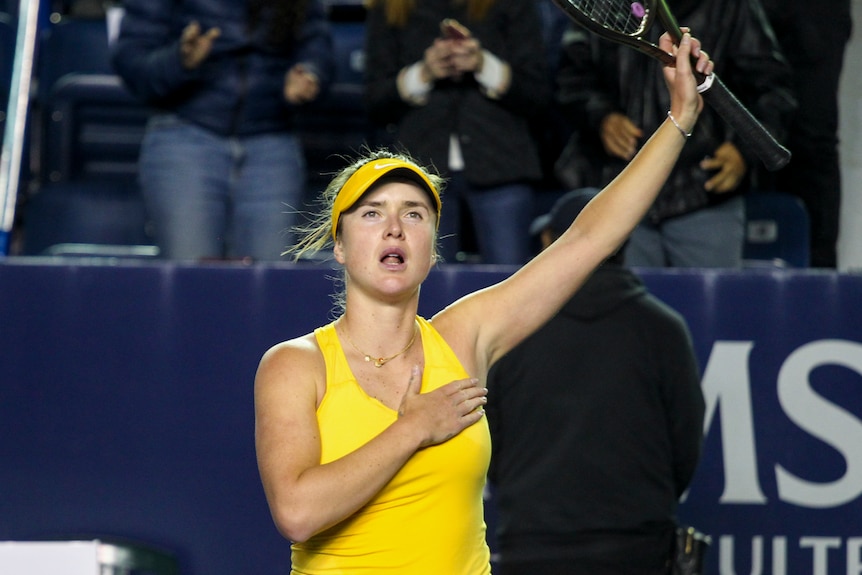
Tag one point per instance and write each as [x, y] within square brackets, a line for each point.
[590, 554]
[570, 567]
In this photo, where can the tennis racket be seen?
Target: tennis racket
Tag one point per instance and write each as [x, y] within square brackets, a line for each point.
[627, 21]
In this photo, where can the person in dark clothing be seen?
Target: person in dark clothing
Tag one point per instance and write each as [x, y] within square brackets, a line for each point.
[596, 422]
[613, 95]
[465, 105]
[221, 167]
[814, 45]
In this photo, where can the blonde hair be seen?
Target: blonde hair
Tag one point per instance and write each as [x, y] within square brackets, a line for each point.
[316, 235]
[398, 11]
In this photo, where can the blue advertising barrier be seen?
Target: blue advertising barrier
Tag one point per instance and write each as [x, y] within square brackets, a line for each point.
[126, 407]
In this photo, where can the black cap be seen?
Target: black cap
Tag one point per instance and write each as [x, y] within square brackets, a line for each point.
[563, 212]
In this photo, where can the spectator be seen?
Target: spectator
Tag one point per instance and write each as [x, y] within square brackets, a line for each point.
[614, 95]
[464, 103]
[815, 46]
[221, 171]
[609, 388]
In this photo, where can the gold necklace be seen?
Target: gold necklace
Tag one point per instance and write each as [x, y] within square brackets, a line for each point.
[381, 361]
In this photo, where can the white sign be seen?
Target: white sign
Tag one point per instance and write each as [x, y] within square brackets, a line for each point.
[49, 558]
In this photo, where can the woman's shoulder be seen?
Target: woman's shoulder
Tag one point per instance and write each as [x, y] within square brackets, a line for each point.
[290, 379]
[292, 360]
[299, 346]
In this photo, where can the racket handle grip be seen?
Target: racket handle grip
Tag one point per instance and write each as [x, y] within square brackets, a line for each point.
[773, 155]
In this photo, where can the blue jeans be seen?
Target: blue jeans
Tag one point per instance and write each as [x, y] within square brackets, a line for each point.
[501, 217]
[218, 197]
[711, 237]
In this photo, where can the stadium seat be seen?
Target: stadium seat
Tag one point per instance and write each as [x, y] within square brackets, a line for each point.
[71, 46]
[91, 129]
[91, 125]
[777, 231]
[86, 218]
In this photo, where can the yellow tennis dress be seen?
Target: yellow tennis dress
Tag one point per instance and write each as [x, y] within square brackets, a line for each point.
[428, 520]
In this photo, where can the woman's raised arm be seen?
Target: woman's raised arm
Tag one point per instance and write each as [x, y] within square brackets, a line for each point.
[485, 325]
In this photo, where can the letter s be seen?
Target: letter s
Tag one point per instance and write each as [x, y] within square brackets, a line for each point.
[822, 419]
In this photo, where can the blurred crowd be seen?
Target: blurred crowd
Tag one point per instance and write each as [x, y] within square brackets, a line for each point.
[510, 101]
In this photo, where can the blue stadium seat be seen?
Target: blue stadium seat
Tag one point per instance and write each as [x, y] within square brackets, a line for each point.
[98, 218]
[71, 46]
[777, 231]
[91, 125]
[91, 129]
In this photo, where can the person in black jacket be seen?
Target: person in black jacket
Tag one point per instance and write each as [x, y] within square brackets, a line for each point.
[814, 44]
[221, 170]
[462, 99]
[596, 422]
[614, 97]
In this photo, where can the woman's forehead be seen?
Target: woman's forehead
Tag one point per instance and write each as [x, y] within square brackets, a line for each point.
[397, 192]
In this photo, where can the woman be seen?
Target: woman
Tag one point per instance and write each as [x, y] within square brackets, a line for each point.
[461, 81]
[371, 440]
[221, 169]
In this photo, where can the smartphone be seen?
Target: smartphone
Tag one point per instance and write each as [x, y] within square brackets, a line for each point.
[453, 30]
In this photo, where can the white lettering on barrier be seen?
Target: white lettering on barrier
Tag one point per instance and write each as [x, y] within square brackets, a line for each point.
[726, 382]
[819, 547]
[830, 423]
[854, 557]
[725, 379]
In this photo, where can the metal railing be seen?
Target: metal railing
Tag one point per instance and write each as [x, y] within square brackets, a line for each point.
[16, 117]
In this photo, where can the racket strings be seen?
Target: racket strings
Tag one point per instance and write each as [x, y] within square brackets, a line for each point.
[624, 16]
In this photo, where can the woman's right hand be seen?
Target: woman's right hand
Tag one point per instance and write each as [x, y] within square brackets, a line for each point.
[686, 103]
[445, 412]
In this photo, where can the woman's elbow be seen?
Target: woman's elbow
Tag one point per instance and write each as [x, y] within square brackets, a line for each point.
[294, 524]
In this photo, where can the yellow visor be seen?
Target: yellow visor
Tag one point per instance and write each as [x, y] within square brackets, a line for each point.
[367, 175]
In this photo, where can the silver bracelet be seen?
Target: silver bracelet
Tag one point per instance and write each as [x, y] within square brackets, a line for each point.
[678, 127]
